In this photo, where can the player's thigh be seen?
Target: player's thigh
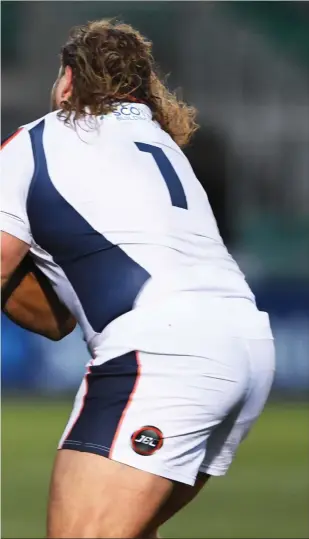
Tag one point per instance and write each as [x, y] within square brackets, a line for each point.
[179, 498]
[92, 496]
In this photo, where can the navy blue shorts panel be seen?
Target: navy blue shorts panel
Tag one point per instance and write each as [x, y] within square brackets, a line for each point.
[107, 393]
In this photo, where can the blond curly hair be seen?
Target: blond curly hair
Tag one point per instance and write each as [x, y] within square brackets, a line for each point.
[112, 62]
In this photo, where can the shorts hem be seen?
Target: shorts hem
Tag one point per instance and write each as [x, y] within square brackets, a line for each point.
[87, 447]
[216, 472]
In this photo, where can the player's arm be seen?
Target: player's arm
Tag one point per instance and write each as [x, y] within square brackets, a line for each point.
[27, 296]
[29, 300]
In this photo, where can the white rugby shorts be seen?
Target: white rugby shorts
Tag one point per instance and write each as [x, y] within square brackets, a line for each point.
[173, 415]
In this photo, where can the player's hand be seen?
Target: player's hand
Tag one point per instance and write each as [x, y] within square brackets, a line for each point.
[29, 300]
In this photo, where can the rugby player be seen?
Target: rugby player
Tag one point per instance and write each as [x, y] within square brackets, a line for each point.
[101, 198]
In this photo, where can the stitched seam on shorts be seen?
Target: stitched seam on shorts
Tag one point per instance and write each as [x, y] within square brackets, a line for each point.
[244, 421]
[210, 466]
[73, 442]
[97, 446]
[159, 471]
[209, 469]
[87, 444]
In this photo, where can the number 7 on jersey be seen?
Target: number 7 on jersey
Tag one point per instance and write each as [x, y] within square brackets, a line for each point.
[169, 174]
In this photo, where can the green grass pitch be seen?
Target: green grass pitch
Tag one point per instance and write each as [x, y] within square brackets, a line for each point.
[264, 495]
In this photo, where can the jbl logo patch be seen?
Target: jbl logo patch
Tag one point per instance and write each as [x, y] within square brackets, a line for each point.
[147, 440]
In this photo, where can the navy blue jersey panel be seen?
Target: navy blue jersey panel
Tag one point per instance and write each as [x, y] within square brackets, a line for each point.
[105, 279]
[109, 387]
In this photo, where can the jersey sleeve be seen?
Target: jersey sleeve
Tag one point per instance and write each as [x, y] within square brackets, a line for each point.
[17, 168]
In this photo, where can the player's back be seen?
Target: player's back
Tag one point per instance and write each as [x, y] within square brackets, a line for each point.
[117, 205]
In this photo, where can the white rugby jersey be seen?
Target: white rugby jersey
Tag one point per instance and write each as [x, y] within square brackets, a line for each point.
[118, 222]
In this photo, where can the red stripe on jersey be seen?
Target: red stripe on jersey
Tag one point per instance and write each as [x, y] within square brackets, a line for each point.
[131, 99]
[10, 138]
[134, 99]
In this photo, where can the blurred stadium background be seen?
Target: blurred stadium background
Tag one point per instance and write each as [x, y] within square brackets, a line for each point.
[245, 65]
